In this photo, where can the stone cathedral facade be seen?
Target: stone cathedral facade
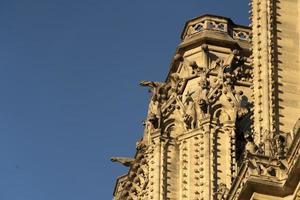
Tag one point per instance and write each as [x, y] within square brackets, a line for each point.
[225, 123]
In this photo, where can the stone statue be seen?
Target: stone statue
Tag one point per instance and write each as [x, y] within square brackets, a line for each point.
[175, 81]
[202, 101]
[250, 147]
[190, 115]
[154, 120]
[159, 90]
[203, 105]
[159, 95]
[203, 83]
[127, 162]
[278, 146]
[194, 66]
[231, 58]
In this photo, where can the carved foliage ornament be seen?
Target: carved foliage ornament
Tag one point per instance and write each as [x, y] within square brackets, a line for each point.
[200, 103]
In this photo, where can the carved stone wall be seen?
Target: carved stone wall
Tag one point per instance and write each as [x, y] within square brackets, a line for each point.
[288, 49]
[276, 50]
[222, 125]
[197, 118]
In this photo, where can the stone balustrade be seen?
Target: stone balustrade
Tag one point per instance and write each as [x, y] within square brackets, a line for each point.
[215, 23]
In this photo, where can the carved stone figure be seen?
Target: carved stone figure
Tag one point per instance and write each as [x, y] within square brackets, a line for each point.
[194, 66]
[159, 96]
[203, 84]
[175, 83]
[202, 102]
[241, 104]
[190, 115]
[203, 105]
[154, 120]
[127, 162]
[278, 146]
[140, 145]
[158, 90]
[250, 147]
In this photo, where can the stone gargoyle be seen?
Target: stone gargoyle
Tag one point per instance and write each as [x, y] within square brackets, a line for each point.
[127, 162]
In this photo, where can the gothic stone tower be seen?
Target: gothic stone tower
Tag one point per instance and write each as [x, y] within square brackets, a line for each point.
[222, 125]
[190, 148]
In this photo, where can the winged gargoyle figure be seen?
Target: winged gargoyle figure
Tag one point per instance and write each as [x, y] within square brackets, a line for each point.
[127, 162]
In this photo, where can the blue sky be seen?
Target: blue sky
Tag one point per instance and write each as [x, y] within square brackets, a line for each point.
[69, 74]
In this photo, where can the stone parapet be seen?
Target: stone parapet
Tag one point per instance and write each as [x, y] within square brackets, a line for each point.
[215, 23]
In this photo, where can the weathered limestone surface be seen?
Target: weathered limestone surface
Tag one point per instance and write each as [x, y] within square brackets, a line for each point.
[273, 173]
[288, 23]
[224, 123]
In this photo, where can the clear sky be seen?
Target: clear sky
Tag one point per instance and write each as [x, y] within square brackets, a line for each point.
[69, 74]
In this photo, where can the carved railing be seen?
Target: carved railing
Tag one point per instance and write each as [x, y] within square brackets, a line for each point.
[217, 24]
